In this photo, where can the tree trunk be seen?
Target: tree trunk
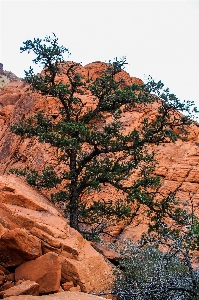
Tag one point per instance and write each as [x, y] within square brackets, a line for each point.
[74, 222]
[74, 201]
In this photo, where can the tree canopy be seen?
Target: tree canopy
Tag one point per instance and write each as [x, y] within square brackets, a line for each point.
[93, 155]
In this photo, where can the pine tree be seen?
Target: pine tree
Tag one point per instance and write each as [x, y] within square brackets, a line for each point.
[96, 157]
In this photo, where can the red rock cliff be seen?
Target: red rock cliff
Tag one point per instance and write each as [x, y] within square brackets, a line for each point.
[178, 163]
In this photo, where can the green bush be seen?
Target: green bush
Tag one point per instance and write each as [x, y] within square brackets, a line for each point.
[149, 274]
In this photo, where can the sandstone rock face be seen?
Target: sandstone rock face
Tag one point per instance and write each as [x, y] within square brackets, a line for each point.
[37, 241]
[7, 285]
[18, 246]
[6, 77]
[16, 103]
[178, 163]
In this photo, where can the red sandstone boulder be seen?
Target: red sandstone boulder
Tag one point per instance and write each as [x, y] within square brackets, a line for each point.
[24, 288]
[67, 285]
[6, 279]
[45, 270]
[18, 246]
[7, 285]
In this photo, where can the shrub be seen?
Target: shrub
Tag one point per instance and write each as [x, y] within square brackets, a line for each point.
[149, 274]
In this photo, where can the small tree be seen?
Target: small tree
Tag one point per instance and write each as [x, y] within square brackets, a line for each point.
[95, 156]
[148, 273]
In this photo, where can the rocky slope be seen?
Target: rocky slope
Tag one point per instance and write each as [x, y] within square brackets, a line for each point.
[39, 252]
[6, 77]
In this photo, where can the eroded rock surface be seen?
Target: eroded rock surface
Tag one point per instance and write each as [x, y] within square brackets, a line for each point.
[38, 243]
[22, 288]
[178, 163]
[45, 270]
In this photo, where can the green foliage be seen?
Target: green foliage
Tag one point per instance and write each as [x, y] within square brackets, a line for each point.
[193, 235]
[112, 156]
[145, 272]
[47, 179]
[182, 235]
[148, 273]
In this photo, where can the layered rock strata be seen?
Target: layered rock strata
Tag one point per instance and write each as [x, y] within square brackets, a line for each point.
[38, 247]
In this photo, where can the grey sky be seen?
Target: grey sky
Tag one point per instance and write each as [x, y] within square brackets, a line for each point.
[159, 38]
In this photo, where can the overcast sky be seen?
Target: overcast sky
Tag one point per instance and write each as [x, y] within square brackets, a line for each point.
[159, 38]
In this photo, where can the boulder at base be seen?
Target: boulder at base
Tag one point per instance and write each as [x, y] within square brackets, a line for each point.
[32, 230]
[45, 270]
[23, 288]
